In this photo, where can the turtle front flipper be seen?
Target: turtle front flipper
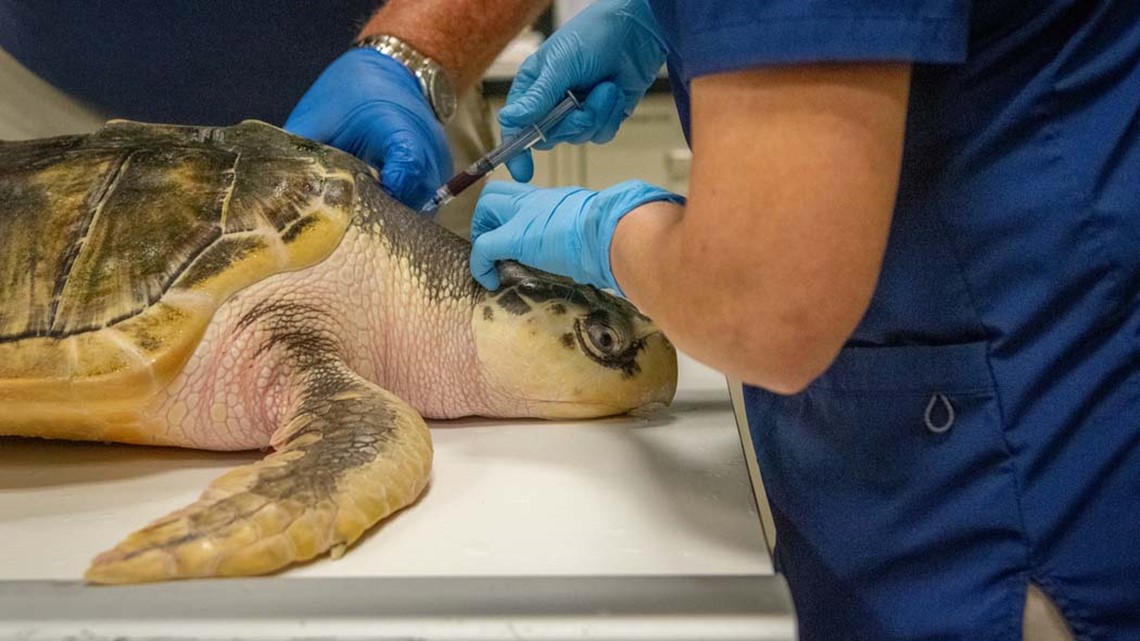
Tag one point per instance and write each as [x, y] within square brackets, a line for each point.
[349, 455]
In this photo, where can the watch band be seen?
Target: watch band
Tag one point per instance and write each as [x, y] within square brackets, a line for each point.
[429, 73]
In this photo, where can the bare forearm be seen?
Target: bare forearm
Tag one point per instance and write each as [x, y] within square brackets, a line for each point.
[714, 308]
[772, 263]
[644, 255]
[463, 35]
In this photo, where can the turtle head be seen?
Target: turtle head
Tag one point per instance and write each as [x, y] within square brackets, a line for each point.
[564, 350]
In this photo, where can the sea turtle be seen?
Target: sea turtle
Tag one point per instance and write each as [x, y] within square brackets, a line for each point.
[239, 287]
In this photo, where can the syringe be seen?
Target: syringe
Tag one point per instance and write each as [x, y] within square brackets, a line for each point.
[510, 148]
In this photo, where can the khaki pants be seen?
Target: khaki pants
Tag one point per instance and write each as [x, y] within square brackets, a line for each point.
[32, 108]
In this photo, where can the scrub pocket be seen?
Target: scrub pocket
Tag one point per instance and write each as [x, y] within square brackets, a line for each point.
[894, 496]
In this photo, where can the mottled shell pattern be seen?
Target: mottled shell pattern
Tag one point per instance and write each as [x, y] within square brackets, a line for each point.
[118, 247]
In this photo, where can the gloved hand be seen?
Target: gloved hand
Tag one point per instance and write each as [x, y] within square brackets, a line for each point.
[565, 231]
[612, 49]
[371, 106]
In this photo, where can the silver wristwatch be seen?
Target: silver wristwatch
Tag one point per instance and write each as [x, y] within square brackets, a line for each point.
[433, 81]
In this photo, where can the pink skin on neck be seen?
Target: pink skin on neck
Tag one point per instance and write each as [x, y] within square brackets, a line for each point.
[231, 397]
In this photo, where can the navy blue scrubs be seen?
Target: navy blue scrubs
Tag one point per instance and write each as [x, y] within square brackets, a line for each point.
[981, 429]
[205, 62]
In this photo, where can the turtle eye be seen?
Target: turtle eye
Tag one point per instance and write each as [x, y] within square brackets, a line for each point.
[603, 340]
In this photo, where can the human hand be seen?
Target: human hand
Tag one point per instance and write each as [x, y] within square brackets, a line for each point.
[612, 49]
[565, 231]
[371, 106]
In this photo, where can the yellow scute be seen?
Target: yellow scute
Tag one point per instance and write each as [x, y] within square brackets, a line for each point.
[92, 386]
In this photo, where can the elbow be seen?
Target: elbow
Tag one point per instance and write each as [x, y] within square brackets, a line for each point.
[792, 367]
[786, 383]
[780, 338]
[783, 355]
[793, 378]
[796, 340]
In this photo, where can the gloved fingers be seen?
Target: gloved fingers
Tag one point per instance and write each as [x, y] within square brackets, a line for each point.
[496, 207]
[527, 73]
[413, 160]
[632, 97]
[486, 250]
[303, 122]
[370, 105]
[508, 188]
[610, 123]
[402, 176]
[527, 100]
[584, 124]
[310, 117]
[521, 167]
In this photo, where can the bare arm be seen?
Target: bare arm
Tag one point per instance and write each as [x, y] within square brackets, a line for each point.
[463, 35]
[768, 269]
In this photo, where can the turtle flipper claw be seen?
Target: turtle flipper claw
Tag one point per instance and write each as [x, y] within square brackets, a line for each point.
[351, 455]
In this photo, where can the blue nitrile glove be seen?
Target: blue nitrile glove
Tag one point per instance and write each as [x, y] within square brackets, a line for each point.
[612, 49]
[371, 106]
[565, 231]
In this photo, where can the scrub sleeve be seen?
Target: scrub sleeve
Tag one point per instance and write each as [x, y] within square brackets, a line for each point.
[981, 429]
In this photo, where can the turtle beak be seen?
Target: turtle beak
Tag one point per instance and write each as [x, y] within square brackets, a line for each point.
[658, 363]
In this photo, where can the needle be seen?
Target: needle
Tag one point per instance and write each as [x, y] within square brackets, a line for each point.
[510, 148]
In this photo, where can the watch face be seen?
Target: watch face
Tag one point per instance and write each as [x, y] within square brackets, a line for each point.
[442, 98]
